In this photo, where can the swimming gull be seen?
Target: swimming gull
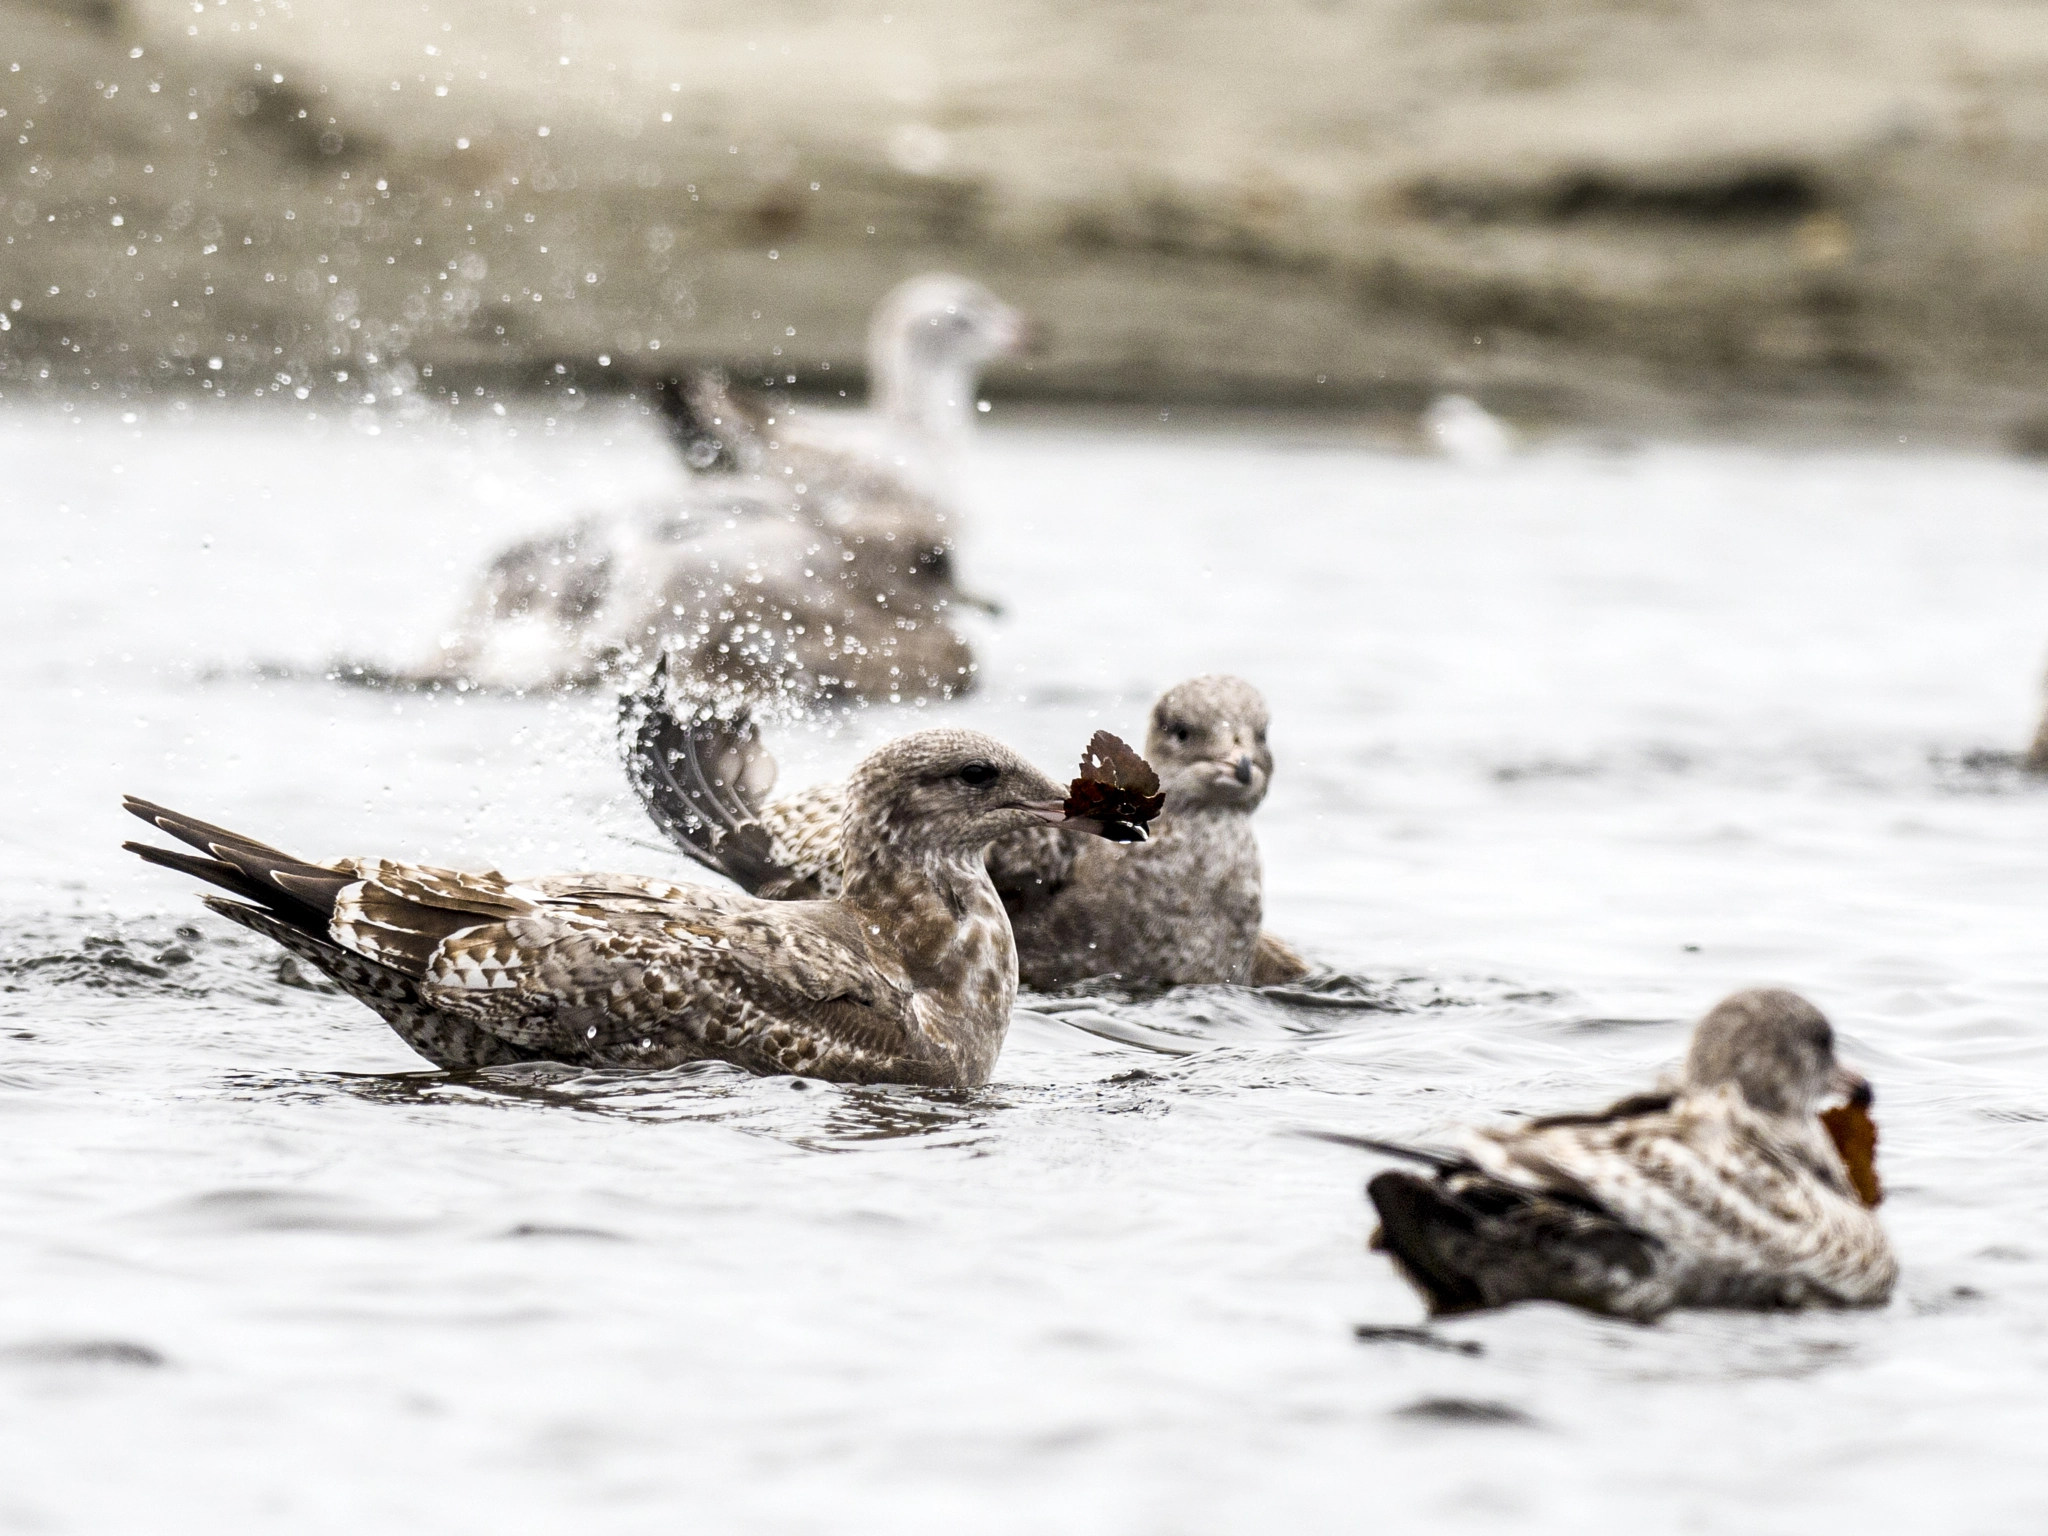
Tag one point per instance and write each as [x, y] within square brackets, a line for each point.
[1183, 907]
[792, 564]
[746, 593]
[906, 976]
[1725, 1192]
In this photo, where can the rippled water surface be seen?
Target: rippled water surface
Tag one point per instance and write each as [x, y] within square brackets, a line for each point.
[1568, 748]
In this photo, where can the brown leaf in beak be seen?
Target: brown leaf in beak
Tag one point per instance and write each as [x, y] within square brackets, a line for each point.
[1854, 1134]
[1116, 790]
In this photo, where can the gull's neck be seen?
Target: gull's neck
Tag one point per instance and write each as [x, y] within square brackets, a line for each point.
[929, 401]
[920, 897]
[1210, 847]
[937, 915]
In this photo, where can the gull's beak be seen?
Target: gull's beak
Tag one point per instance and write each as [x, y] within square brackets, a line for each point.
[1029, 337]
[1244, 770]
[1114, 831]
[1055, 812]
[1853, 1087]
[976, 601]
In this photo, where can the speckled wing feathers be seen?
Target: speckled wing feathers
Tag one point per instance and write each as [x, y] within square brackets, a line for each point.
[609, 969]
[398, 914]
[771, 996]
[690, 769]
[445, 1041]
[805, 827]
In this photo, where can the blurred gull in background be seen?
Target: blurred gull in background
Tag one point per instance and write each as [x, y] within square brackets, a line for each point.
[798, 562]
[1460, 428]
[928, 342]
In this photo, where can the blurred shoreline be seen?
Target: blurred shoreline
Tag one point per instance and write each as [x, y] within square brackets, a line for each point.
[1696, 219]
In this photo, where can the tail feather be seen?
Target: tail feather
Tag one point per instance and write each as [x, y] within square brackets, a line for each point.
[203, 835]
[301, 893]
[213, 871]
[1442, 1162]
[1415, 1216]
[710, 426]
[690, 772]
[1468, 1241]
[291, 902]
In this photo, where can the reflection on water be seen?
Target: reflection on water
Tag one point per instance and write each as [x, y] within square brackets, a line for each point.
[1567, 749]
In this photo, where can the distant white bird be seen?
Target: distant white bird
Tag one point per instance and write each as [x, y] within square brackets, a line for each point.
[1460, 428]
[1727, 1192]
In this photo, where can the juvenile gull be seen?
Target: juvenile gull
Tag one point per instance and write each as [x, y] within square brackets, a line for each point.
[790, 564]
[1725, 1192]
[906, 976]
[1183, 907]
[747, 592]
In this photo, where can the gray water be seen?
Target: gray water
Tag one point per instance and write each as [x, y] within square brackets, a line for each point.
[1568, 748]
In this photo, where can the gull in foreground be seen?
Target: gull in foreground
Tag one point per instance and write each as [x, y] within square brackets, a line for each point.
[906, 976]
[1727, 1192]
[1182, 908]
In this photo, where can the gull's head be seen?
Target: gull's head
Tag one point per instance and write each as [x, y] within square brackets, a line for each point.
[928, 343]
[902, 546]
[949, 792]
[1777, 1048]
[1207, 739]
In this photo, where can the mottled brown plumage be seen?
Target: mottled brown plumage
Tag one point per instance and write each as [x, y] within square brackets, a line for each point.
[908, 975]
[1724, 1192]
[1183, 907]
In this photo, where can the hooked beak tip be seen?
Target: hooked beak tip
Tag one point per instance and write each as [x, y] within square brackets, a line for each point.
[1110, 831]
[1854, 1087]
[1054, 813]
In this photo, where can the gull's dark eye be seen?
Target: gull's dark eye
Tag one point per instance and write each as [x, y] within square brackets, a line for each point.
[1181, 733]
[936, 563]
[979, 774]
